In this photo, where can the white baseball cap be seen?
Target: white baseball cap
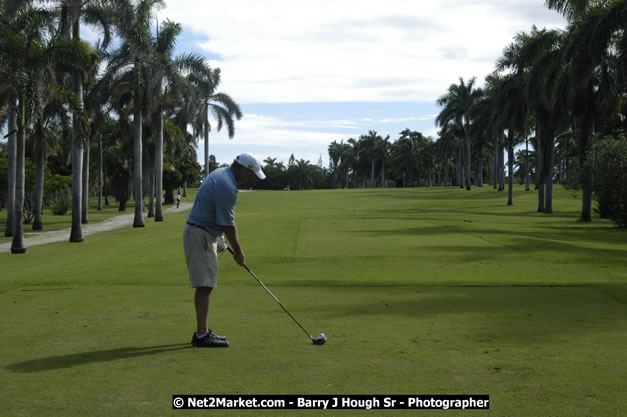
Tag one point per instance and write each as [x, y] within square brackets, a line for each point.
[251, 162]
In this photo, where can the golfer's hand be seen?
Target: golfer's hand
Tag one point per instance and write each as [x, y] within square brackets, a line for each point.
[239, 257]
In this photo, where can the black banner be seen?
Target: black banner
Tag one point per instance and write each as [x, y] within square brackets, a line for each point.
[331, 402]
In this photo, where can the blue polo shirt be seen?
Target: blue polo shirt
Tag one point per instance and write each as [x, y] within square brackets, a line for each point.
[215, 202]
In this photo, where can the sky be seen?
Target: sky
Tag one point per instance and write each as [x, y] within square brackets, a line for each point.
[306, 73]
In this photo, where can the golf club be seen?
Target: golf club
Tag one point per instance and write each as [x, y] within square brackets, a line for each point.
[316, 341]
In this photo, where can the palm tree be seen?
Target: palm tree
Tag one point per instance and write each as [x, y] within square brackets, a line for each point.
[346, 157]
[26, 51]
[443, 146]
[456, 104]
[404, 156]
[167, 78]
[132, 20]
[70, 13]
[571, 9]
[95, 13]
[10, 44]
[451, 139]
[350, 160]
[98, 104]
[299, 172]
[369, 150]
[50, 120]
[384, 149]
[335, 155]
[538, 55]
[224, 109]
[87, 117]
[595, 37]
[484, 128]
[511, 108]
[8, 105]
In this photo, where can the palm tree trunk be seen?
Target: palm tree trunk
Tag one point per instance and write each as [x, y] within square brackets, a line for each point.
[480, 169]
[540, 167]
[383, 174]
[11, 149]
[18, 246]
[372, 173]
[206, 129]
[526, 164]
[566, 160]
[491, 170]
[39, 182]
[495, 161]
[549, 161]
[468, 156]
[76, 235]
[549, 157]
[458, 167]
[158, 172]
[587, 129]
[85, 191]
[501, 163]
[446, 168]
[510, 167]
[138, 220]
[100, 157]
[104, 187]
[539, 163]
[149, 174]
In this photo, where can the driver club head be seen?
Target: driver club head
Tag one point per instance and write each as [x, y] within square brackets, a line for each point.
[319, 340]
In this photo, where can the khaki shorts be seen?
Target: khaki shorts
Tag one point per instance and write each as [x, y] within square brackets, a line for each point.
[202, 258]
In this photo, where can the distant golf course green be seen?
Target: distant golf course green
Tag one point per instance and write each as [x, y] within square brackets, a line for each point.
[419, 291]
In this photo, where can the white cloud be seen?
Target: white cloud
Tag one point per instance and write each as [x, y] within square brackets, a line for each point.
[254, 129]
[345, 50]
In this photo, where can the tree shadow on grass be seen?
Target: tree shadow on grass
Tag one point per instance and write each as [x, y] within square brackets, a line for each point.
[513, 314]
[84, 358]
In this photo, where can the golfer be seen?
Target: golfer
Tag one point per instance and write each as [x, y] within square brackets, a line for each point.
[211, 217]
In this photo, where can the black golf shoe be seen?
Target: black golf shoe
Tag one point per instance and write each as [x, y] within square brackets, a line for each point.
[209, 331]
[210, 340]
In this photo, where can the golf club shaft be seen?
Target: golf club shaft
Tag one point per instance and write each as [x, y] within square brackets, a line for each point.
[273, 296]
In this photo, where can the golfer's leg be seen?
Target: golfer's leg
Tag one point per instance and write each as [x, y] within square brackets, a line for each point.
[201, 301]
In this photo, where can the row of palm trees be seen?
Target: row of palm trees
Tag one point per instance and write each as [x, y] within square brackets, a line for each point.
[52, 81]
[549, 83]
[375, 161]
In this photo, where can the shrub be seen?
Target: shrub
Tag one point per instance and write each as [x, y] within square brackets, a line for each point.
[61, 202]
[610, 178]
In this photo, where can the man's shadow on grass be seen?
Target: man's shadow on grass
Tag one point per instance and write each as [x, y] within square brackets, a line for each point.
[76, 359]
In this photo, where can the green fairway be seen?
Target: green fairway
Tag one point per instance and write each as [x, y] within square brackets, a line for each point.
[419, 291]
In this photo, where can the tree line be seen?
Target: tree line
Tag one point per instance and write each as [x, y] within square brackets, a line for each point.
[560, 90]
[131, 106]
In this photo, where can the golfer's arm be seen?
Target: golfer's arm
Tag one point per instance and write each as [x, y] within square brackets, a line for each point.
[231, 235]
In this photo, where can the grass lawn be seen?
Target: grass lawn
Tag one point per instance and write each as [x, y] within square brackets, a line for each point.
[419, 291]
